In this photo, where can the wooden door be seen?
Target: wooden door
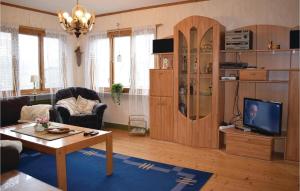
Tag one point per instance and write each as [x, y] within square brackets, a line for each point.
[167, 129]
[155, 117]
[166, 83]
[154, 82]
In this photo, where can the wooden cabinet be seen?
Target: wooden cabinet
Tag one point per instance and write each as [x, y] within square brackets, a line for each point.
[161, 104]
[161, 82]
[248, 144]
[196, 86]
[292, 147]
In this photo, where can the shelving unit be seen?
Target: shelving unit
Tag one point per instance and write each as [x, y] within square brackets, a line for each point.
[283, 68]
[197, 47]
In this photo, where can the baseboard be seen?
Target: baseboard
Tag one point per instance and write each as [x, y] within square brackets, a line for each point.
[116, 126]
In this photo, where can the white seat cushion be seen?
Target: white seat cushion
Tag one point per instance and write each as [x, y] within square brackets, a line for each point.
[30, 113]
[15, 144]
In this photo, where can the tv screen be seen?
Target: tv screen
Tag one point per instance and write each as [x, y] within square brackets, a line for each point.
[162, 45]
[262, 116]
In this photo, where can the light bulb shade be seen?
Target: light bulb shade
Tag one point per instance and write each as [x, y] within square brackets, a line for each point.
[119, 58]
[34, 78]
[65, 15]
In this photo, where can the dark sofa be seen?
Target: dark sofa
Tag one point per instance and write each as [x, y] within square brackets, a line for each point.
[93, 120]
[11, 110]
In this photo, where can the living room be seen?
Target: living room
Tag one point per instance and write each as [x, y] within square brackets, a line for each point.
[149, 95]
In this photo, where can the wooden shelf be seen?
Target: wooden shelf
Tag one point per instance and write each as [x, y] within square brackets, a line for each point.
[252, 81]
[266, 50]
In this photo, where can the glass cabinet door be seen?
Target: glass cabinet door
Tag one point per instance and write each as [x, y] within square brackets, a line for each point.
[193, 74]
[182, 74]
[205, 76]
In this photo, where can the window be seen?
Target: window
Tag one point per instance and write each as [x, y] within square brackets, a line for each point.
[51, 63]
[102, 59]
[121, 60]
[28, 60]
[37, 55]
[6, 65]
[111, 59]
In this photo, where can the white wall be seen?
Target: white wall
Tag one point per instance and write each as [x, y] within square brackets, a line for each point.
[230, 13]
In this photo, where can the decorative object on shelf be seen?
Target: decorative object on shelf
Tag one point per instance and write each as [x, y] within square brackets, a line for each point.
[41, 124]
[272, 46]
[80, 22]
[208, 68]
[165, 63]
[78, 55]
[116, 91]
[206, 47]
[34, 79]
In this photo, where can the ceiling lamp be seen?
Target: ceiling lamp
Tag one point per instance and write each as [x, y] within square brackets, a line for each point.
[80, 22]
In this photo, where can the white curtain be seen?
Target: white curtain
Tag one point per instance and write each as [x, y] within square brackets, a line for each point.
[56, 62]
[142, 60]
[9, 61]
[97, 67]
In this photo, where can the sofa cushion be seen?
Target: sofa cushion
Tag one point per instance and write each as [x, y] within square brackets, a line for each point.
[85, 106]
[11, 109]
[30, 113]
[70, 104]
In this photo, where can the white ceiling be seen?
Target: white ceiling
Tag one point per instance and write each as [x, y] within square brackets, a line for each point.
[98, 6]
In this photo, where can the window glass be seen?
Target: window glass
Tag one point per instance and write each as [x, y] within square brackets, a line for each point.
[28, 60]
[102, 71]
[6, 72]
[52, 63]
[121, 59]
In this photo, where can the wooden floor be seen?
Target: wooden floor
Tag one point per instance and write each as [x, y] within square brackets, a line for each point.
[230, 172]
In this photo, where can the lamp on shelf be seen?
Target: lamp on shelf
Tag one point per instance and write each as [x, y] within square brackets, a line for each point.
[34, 79]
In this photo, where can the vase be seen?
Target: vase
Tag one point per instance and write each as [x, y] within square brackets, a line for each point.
[39, 127]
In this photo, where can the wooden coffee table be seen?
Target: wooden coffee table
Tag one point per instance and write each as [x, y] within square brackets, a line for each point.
[63, 146]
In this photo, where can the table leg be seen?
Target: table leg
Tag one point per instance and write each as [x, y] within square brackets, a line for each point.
[61, 170]
[109, 153]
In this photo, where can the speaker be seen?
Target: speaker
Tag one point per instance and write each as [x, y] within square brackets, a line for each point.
[294, 39]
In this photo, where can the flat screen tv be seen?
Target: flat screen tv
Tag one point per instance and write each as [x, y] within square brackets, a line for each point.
[163, 45]
[262, 116]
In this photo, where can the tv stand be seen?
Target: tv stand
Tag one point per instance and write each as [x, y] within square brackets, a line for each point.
[249, 144]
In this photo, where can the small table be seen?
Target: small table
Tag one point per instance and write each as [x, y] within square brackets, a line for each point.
[18, 181]
[61, 147]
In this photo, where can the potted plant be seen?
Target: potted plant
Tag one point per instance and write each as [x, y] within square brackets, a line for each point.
[116, 91]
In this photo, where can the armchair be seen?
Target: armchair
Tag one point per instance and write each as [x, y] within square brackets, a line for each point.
[93, 120]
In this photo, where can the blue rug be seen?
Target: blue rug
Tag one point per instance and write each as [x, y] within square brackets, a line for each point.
[86, 172]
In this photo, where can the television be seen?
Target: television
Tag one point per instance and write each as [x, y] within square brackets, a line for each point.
[262, 116]
[163, 45]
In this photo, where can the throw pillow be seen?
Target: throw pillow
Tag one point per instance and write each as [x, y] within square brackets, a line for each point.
[70, 104]
[85, 106]
[30, 113]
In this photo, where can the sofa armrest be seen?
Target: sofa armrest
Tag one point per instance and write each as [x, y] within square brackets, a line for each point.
[9, 158]
[99, 108]
[63, 113]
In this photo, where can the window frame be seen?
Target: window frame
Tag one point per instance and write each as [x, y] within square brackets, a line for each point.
[111, 35]
[40, 33]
